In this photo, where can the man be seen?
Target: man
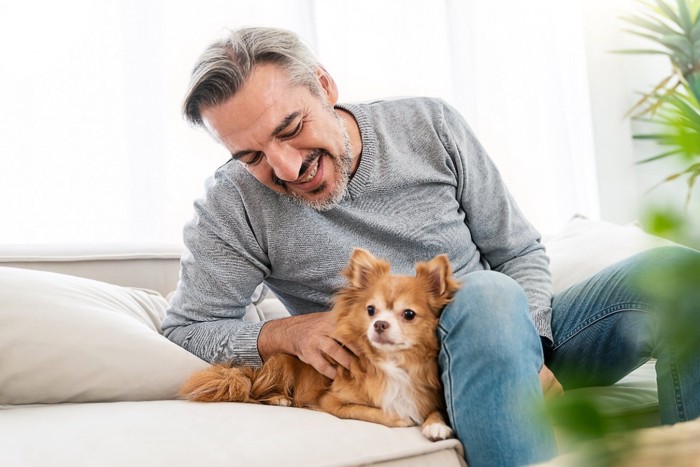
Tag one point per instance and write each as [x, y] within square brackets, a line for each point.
[310, 179]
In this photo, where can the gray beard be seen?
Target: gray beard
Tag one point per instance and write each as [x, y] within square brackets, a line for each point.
[342, 163]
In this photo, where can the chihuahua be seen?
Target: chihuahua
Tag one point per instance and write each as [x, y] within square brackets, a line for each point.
[392, 320]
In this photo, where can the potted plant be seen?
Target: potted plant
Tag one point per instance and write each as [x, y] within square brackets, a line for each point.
[672, 107]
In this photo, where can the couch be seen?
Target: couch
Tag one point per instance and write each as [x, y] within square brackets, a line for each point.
[87, 379]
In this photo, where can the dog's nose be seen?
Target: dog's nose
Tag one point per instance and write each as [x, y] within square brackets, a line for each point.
[381, 326]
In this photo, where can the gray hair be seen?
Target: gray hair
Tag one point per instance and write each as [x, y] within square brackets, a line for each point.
[225, 65]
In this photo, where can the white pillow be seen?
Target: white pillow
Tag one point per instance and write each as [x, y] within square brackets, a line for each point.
[585, 247]
[69, 339]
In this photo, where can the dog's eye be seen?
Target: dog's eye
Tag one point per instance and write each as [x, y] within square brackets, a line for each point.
[370, 310]
[408, 315]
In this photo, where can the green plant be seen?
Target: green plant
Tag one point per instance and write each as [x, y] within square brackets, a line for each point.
[673, 105]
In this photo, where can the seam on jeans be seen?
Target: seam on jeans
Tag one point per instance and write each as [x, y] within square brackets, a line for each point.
[619, 308]
[677, 393]
[447, 385]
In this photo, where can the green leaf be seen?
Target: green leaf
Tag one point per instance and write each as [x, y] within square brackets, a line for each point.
[641, 51]
[691, 185]
[659, 156]
[652, 136]
[687, 109]
[680, 44]
[645, 35]
[695, 31]
[651, 24]
[668, 11]
[653, 98]
[692, 169]
[660, 222]
[694, 85]
[684, 13]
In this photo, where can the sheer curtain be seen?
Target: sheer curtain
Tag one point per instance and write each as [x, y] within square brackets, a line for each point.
[93, 147]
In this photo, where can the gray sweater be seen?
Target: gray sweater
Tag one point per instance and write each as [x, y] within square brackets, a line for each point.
[424, 187]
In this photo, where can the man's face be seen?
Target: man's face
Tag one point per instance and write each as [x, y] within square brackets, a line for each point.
[288, 138]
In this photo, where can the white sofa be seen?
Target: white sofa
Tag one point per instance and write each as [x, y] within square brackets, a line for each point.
[87, 379]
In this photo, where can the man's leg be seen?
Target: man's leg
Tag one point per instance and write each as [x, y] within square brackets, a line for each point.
[489, 361]
[609, 324]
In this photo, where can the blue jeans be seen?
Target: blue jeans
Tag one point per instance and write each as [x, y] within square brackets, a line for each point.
[604, 327]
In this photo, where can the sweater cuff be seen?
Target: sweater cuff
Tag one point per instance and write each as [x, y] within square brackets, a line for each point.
[244, 348]
[229, 342]
[542, 317]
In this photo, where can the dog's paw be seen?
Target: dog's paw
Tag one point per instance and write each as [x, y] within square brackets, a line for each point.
[283, 401]
[397, 422]
[437, 431]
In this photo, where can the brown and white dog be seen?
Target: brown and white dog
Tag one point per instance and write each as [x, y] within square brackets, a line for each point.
[394, 381]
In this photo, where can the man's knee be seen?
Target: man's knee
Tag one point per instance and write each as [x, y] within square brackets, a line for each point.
[489, 313]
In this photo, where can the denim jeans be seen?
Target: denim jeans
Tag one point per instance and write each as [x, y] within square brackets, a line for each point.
[604, 327]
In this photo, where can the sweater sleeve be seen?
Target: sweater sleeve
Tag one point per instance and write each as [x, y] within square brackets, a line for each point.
[219, 271]
[504, 237]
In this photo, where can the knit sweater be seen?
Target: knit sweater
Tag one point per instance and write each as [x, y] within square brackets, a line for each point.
[424, 186]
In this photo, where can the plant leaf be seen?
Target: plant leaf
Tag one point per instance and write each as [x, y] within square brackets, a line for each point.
[694, 85]
[651, 108]
[691, 185]
[668, 11]
[650, 23]
[695, 31]
[659, 156]
[641, 51]
[684, 13]
[679, 44]
[656, 136]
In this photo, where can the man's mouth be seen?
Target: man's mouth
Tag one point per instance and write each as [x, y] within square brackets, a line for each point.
[313, 187]
[311, 174]
[309, 169]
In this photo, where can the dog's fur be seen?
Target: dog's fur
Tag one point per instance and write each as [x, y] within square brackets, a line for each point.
[394, 380]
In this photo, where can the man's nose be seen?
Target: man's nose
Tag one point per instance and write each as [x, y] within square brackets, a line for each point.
[285, 161]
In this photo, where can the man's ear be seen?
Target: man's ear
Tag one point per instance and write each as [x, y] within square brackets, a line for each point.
[328, 86]
[364, 268]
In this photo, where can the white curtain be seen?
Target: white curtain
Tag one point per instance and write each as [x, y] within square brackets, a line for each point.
[93, 147]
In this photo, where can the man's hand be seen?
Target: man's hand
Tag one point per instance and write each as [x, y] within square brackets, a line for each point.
[309, 338]
[550, 386]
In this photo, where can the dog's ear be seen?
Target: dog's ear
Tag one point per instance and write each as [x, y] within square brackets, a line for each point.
[437, 273]
[364, 268]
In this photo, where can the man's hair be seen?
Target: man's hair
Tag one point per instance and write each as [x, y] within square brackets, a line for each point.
[225, 65]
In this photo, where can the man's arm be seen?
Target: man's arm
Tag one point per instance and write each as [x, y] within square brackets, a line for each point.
[219, 270]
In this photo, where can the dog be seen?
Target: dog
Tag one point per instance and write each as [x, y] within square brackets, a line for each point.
[394, 380]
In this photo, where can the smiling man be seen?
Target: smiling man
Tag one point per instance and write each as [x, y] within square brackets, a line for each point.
[292, 141]
[310, 179]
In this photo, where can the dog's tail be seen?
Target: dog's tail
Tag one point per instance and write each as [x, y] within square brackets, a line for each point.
[275, 381]
[219, 383]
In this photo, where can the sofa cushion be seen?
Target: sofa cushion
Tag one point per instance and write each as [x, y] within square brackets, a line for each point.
[182, 433]
[70, 339]
[584, 247]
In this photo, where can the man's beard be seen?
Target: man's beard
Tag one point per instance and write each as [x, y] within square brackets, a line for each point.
[341, 163]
